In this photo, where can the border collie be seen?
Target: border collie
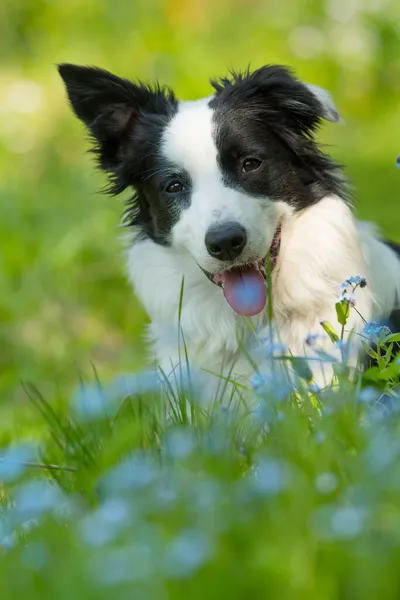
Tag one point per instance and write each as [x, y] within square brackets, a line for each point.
[220, 184]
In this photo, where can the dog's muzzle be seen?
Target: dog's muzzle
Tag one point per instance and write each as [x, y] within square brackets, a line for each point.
[245, 285]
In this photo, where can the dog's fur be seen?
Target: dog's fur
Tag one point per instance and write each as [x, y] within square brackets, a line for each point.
[185, 162]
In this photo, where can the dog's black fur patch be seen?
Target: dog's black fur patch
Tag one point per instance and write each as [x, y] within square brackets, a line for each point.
[126, 121]
[269, 114]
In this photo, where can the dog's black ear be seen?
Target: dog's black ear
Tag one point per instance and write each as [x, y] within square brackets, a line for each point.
[302, 105]
[111, 108]
[273, 91]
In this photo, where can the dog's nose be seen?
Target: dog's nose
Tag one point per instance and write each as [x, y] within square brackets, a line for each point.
[226, 241]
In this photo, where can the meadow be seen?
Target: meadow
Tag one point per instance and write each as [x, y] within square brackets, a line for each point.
[296, 498]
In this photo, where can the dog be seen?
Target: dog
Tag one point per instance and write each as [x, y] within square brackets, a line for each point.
[219, 185]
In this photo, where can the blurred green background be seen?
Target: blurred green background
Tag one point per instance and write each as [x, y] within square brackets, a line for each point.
[65, 304]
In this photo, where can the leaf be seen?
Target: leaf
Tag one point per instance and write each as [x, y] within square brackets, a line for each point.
[301, 367]
[393, 337]
[385, 374]
[342, 311]
[388, 355]
[327, 327]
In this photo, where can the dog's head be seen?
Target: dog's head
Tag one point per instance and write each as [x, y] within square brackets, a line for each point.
[213, 177]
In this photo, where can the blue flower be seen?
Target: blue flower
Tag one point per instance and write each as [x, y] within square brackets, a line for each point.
[348, 297]
[103, 525]
[180, 443]
[206, 495]
[368, 395]
[257, 381]
[13, 461]
[117, 566]
[357, 280]
[382, 451]
[331, 522]
[90, 402]
[135, 473]
[187, 553]
[374, 329]
[36, 498]
[348, 522]
[314, 388]
[277, 385]
[270, 477]
[326, 483]
[354, 281]
[273, 348]
[135, 384]
[312, 338]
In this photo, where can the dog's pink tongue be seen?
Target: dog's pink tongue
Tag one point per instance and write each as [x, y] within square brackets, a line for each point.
[245, 290]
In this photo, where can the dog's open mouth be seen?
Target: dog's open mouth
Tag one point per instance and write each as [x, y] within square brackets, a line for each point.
[245, 286]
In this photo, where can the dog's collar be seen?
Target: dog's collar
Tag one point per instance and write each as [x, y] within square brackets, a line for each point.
[275, 247]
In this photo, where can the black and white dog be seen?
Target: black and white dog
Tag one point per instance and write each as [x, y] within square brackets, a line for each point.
[219, 184]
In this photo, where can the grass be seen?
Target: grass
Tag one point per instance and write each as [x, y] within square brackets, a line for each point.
[65, 302]
[138, 491]
[294, 495]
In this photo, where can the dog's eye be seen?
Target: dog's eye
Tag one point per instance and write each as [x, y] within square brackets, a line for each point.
[250, 164]
[175, 187]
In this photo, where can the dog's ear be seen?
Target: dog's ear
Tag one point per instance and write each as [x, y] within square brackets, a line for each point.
[301, 103]
[273, 91]
[329, 110]
[111, 108]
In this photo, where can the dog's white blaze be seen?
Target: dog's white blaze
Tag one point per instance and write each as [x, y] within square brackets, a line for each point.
[189, 142]
[188, 139]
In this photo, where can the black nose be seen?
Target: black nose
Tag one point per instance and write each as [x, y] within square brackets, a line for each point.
[226, 241]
